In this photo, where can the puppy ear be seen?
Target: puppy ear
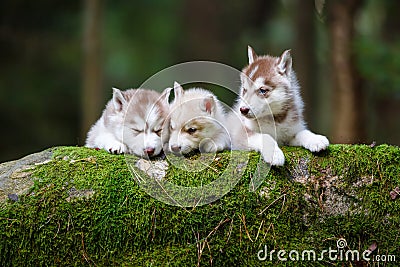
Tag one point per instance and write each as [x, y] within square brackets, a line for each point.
[165, 95]
[178, 90]
[208, 104]
[284, 63]
[118, 99]
[251, 54]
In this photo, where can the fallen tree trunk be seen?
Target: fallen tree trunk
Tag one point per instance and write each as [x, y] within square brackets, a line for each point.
[74, 206]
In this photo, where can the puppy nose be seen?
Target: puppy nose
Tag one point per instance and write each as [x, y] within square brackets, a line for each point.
[244, 110]
[149, 151]
[175, 148]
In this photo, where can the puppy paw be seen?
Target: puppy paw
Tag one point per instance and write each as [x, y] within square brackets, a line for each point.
[279, 157]
[317, 143]
[116, 147]
[210, 146]
[311, 141]
[268, 148]
[274, 156]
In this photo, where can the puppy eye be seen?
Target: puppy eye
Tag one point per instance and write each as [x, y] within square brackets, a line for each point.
[244, 91]
[191, 130]
[158, 132]
[136, 130]
[263, 90]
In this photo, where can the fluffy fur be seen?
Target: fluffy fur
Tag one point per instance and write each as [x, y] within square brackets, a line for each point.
[131, 123]
[271, 107]
[196, 122]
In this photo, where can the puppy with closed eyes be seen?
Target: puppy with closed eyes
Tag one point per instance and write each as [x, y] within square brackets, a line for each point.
[131, 123]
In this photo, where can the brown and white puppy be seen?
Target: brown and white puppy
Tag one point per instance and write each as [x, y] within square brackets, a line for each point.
[270, 104]
[131, 123]
[196, 122]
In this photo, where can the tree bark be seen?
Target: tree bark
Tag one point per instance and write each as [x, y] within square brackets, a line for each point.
[305, 57]
[92, 96]
[203, 34]
[348, 96]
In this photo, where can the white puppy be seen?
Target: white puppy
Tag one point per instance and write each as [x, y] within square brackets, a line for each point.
[131, 123]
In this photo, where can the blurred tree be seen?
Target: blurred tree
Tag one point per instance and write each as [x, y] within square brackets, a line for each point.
[92, 93]
[391, 27]
[388, 109]
[378, 60]
[202, 27]
[304, 54]
[348, 125]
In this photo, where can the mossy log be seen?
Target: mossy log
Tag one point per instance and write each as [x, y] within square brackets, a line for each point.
[78, 206]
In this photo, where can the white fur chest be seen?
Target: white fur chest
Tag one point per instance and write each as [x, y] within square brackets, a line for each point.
[282, 132]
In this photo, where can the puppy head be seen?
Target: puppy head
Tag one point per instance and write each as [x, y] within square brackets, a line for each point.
[191, 120]
[142, 113]
[265, 84]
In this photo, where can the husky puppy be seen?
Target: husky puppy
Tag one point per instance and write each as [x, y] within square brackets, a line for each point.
[196, 121]
[131, 123]
[270, 104]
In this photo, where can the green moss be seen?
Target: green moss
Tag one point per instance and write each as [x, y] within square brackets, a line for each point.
[117, 223]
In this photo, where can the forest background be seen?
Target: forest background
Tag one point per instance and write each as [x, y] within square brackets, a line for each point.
[60, 60]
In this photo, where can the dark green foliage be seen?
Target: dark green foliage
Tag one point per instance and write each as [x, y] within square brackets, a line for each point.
[116, 223]
[372, 53]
